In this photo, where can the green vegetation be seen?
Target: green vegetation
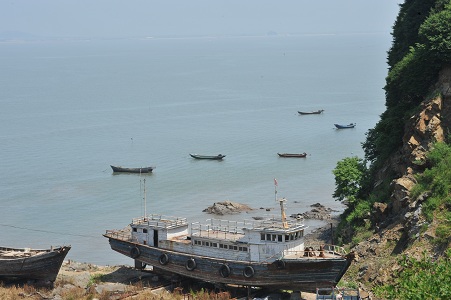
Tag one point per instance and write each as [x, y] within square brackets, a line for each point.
[96, 278]
[436, 181]
[421, 47]
[349, 175]
[421, 279]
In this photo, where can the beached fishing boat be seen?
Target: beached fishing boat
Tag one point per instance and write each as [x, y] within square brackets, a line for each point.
[316, 112]
[214, 157]
[257, 253]
[350, 125]
[292, 154]
[132, 170]
[31, 264]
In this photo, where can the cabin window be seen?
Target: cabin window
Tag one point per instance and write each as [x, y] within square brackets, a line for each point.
[235, 247]
[279, 238]
[287, 237]
[207, 244]
[145, 230]
[262, 236]
[268, 237]
[135, 229]
[245, 249]
[221, 246]
[214, 245]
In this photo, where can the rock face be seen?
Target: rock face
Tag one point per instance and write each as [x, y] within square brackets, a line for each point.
[423, 129]
[399, 221]
[226, 208]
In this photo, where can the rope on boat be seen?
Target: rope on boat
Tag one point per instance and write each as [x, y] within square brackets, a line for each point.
[47, 231]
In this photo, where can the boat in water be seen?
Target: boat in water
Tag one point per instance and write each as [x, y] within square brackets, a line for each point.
[350, 125]
[292, 154]
[132, 170]
[214, 157]
[316, 112]
[266, 253]
[32, 264]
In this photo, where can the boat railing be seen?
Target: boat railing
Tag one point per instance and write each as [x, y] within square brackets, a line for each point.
[124, 235]
[239, 226]
[334, 249]
[214, 230]
[160, 221]
[319, 251]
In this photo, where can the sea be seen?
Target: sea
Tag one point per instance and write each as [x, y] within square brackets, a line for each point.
[71, 108]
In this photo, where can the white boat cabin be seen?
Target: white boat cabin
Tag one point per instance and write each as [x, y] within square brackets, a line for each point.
[262, 240]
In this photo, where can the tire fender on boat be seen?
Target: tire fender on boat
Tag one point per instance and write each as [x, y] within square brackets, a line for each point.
[134, 252]
[190, 264]
[280, 264]
[248, 272]
[224, 270]
[163, 259]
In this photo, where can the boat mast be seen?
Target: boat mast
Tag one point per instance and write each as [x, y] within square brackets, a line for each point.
[282, 212]
[145, 201]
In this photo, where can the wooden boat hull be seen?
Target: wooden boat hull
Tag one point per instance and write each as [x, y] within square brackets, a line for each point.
[43, 266]
[311, 112]
[132, 170]
[305, 274]
[212, 157]
[292, 154]
[352, 125]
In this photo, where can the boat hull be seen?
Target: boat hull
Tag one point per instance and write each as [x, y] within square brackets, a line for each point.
[132, 170]
[318, 112]
[43, 266]
[303, 274]
[211, 157]
[344, 126]
[292, 154]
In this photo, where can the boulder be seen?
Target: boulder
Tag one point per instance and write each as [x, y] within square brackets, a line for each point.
[226, 208]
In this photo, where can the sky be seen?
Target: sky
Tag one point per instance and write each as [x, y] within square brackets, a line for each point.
[151, 18]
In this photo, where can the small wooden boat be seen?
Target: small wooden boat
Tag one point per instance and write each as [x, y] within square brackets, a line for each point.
[132, 170]
[31, 264]
[317, 112]
[292, 154]
[350, 125]
[216, 157]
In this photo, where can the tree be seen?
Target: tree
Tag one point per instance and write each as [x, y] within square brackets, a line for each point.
[349, 175]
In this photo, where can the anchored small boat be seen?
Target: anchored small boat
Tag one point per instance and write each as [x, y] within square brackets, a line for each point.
[292, 154]
[32, 264]
[132, 170]
[214, 157]
[256, 253]
[350, 125]
[316, 112]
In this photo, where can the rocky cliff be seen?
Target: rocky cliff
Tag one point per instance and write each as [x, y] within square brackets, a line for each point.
[399, 220]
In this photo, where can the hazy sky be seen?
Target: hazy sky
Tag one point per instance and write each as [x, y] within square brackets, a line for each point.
[138, 18]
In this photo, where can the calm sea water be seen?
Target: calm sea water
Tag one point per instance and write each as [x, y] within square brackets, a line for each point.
[70, 109]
